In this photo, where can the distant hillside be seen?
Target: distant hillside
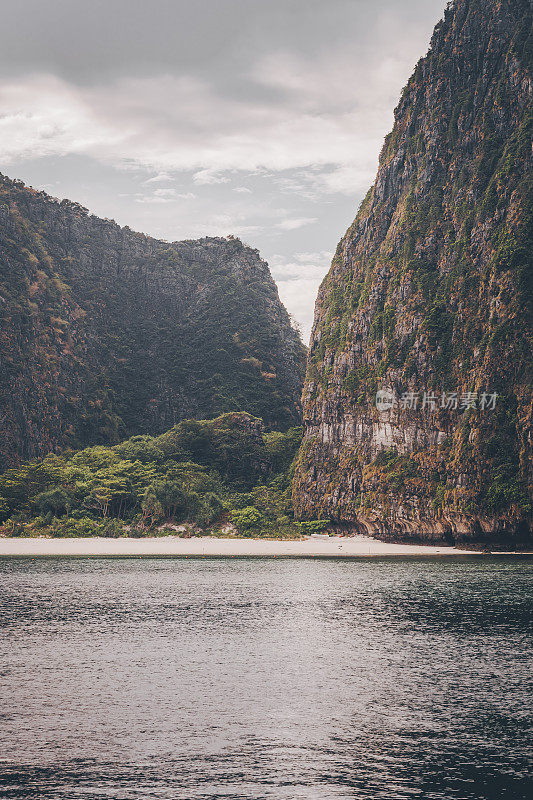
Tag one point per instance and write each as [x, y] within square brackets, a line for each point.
[106, 333]
[429, 298]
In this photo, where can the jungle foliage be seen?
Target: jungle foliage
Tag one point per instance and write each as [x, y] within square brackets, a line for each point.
[200, 475]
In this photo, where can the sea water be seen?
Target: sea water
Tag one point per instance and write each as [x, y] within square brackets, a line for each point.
[265, 678]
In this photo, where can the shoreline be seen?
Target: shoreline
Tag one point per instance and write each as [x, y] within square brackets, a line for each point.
[207, 546]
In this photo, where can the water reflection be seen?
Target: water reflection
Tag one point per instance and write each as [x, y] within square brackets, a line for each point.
[256, 679]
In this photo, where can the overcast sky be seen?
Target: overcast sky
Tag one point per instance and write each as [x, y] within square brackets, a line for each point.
[187, 118]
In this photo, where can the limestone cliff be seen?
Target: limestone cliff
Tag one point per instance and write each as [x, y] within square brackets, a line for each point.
[429, 299]
[105, 332]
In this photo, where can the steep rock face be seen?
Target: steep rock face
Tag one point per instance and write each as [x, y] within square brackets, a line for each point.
[106, 332]
[430, 291]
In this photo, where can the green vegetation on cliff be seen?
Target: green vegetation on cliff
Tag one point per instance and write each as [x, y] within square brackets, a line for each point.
[430, 291]
[106, 333]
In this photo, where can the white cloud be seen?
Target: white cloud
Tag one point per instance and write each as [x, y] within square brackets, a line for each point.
[298, 280]
[161, 177]
[43, 115]
[169, 192]
[278, 123]
[153, 199]
[293, 224]
[236, 224]
[209, 177]
[299, 298]
[169, 123]
[323, 257]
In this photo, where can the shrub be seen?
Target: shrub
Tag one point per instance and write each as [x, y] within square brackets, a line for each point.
[281, 448]
[239, 500]
[313, 525]
[247, 519]
[112, 528]
[75, 527]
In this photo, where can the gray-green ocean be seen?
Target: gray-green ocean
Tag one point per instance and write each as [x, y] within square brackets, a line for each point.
[204, 679]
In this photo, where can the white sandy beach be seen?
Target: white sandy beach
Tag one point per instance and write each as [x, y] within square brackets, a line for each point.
[208, 546]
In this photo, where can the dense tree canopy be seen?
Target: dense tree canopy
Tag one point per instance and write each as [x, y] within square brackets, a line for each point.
[201, 474]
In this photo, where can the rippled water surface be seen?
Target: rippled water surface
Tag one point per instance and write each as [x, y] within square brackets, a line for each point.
[239, 678]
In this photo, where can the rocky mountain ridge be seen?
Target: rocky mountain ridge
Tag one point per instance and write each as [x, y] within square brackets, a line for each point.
[429, 298]
[106, 333]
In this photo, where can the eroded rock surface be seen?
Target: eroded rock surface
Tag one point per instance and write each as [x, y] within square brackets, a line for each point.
[105, 332]
[430, 291]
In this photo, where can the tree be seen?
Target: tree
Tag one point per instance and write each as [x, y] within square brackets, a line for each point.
[151, 507]
[4, 509]
[210, 509]
[55, 500]
[172, 497]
